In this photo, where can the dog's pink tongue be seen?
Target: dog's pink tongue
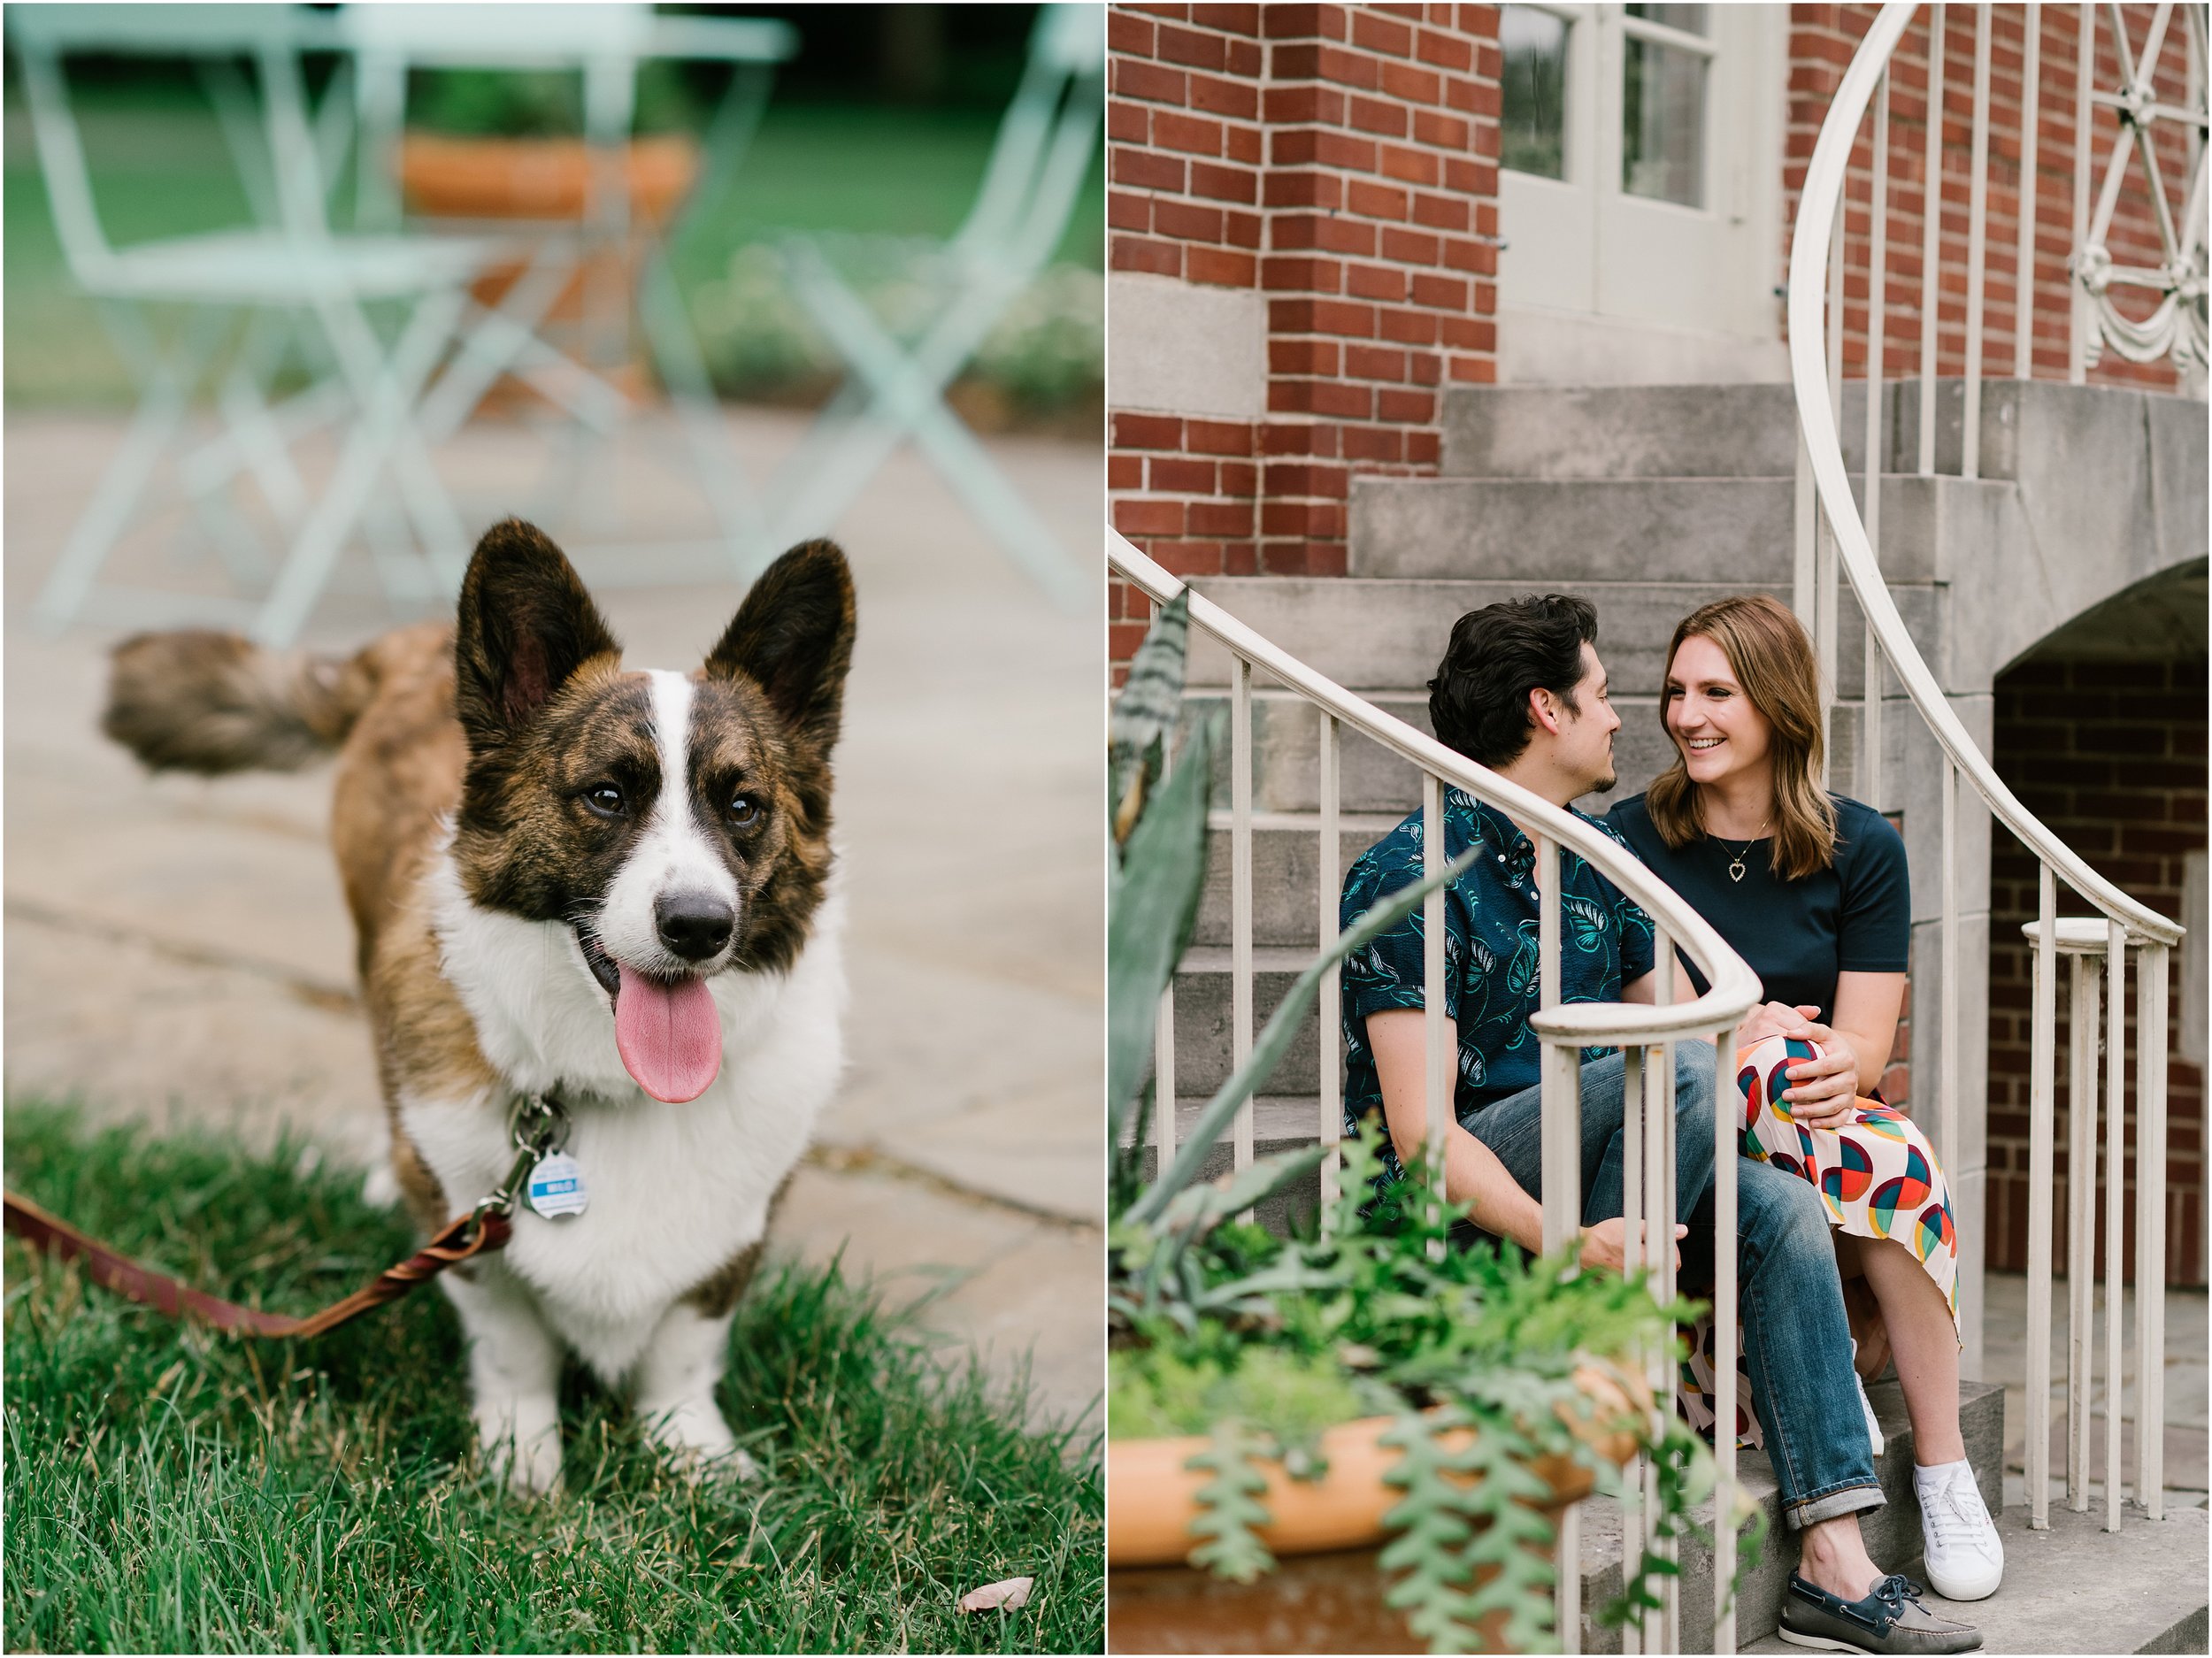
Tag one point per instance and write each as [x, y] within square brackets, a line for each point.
[670, 1036]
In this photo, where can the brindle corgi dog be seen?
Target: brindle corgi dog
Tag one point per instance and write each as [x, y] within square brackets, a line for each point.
[610, 888]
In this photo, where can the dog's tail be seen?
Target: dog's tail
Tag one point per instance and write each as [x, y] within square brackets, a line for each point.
[195, 701]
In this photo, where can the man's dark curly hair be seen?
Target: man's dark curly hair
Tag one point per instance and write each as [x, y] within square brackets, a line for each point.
[1479, 701]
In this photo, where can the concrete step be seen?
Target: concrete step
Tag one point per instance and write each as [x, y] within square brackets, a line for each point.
[1286, 744]
[1280, 1123]
[1892, 1532]
[1547, 531]
[1386, 634]
[1285, 903]
[1544, 530]
[1599, 432]
[2077, 1588]
[1202, 1013]
[1631, 431]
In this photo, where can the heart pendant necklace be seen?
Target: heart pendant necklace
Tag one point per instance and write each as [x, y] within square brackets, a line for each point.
[1735, 865]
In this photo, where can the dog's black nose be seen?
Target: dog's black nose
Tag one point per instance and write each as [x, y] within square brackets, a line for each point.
[695, 925]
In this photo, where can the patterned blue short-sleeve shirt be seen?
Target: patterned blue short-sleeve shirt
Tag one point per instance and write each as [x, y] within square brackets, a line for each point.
[1491, 921]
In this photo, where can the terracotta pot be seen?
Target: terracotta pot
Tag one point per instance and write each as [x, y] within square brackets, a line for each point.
[548, 180]
[538, 178]
[1151, 1495]
[1326, 1593]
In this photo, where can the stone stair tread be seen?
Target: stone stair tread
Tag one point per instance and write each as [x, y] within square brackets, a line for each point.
[1275, 1117]
[2077, 1588]
[1266, 958]
[1610, 431]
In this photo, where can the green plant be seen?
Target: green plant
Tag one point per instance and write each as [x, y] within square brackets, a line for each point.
[1227, 1330]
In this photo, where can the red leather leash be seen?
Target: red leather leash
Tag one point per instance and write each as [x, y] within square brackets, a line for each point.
[538, 1126]
[470, 1235]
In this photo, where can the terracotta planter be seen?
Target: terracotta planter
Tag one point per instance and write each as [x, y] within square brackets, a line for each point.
[550, 180]
[1326, 1593]
[538, 178]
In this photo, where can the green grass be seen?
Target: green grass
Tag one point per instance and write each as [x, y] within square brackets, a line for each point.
[171, 1489]
[160, 168]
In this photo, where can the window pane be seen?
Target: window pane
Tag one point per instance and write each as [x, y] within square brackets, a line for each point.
[1663, 124]
[1534, 135]
[1689, 19]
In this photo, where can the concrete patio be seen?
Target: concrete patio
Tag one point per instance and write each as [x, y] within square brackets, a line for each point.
[177, 949]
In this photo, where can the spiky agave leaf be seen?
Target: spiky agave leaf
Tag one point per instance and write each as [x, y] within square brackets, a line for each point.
[1144, 715]
[1152, 906]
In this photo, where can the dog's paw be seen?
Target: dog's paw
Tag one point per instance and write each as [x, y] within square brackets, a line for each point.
[700, 1444]
[731, 1467]
[527, 1463]
[532, 1475]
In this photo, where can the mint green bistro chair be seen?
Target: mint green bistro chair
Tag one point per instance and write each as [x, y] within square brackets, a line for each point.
[606, 43]
[894, 389]
[289, 270]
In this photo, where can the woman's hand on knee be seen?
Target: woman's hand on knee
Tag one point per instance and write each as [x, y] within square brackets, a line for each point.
[1824, 1091]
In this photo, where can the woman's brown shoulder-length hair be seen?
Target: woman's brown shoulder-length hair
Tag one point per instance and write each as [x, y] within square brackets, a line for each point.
[1773, 661]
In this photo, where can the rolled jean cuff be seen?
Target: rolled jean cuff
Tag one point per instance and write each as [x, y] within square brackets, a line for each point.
[1832, 1505]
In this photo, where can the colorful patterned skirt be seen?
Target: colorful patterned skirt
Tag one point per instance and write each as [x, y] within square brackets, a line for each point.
[1877, 1174]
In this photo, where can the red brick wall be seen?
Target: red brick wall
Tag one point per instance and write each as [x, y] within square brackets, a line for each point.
[1342, 160]
[1822, 40]
[2111, 755]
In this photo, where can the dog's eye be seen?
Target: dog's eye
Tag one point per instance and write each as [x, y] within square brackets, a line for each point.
[744, 810]
[606, 799]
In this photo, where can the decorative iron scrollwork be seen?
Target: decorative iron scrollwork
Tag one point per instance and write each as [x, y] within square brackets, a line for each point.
[2177, 326]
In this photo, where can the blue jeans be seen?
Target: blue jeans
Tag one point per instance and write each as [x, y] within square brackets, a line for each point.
[1795, 1335]
[1798, 1342]
[1513, 1128]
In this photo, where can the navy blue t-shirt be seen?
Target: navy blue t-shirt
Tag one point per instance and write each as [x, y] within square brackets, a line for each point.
[1491, 925]
[1853, 916]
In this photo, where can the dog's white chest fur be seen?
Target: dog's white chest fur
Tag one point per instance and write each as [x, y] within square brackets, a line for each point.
[676, 1190]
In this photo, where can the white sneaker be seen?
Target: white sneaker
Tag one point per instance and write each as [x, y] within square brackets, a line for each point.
[1873, 1428]
[1965, 1557]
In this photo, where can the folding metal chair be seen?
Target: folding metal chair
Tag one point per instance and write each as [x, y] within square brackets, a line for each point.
[896, 389]
[606, 43]
[287, 272]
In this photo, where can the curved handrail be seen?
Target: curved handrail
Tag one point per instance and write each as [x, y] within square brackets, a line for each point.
[1735, 988]
[1809, 370]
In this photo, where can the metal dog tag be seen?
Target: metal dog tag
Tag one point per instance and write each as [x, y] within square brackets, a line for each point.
[556, 1187]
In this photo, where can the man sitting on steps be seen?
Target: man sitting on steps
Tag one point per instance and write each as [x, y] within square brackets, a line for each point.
[1521, 691]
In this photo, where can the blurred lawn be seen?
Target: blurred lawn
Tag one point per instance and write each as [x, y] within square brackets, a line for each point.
[161, 169]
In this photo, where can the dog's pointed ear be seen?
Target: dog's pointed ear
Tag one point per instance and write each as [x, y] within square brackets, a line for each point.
[794, 638]
[525, 625]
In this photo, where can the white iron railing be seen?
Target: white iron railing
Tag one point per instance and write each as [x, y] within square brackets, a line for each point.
[2098, 946]
[1647, 1034]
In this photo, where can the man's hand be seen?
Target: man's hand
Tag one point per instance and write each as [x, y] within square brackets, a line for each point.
[1777, 1019]
[1606, 1244]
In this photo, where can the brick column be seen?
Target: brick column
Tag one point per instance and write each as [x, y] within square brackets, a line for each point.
[1339, 165]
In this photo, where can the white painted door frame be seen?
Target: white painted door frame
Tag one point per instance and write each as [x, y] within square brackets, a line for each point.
[1581, 249]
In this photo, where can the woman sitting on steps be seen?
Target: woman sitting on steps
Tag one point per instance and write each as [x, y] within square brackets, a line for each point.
[1810, 889]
